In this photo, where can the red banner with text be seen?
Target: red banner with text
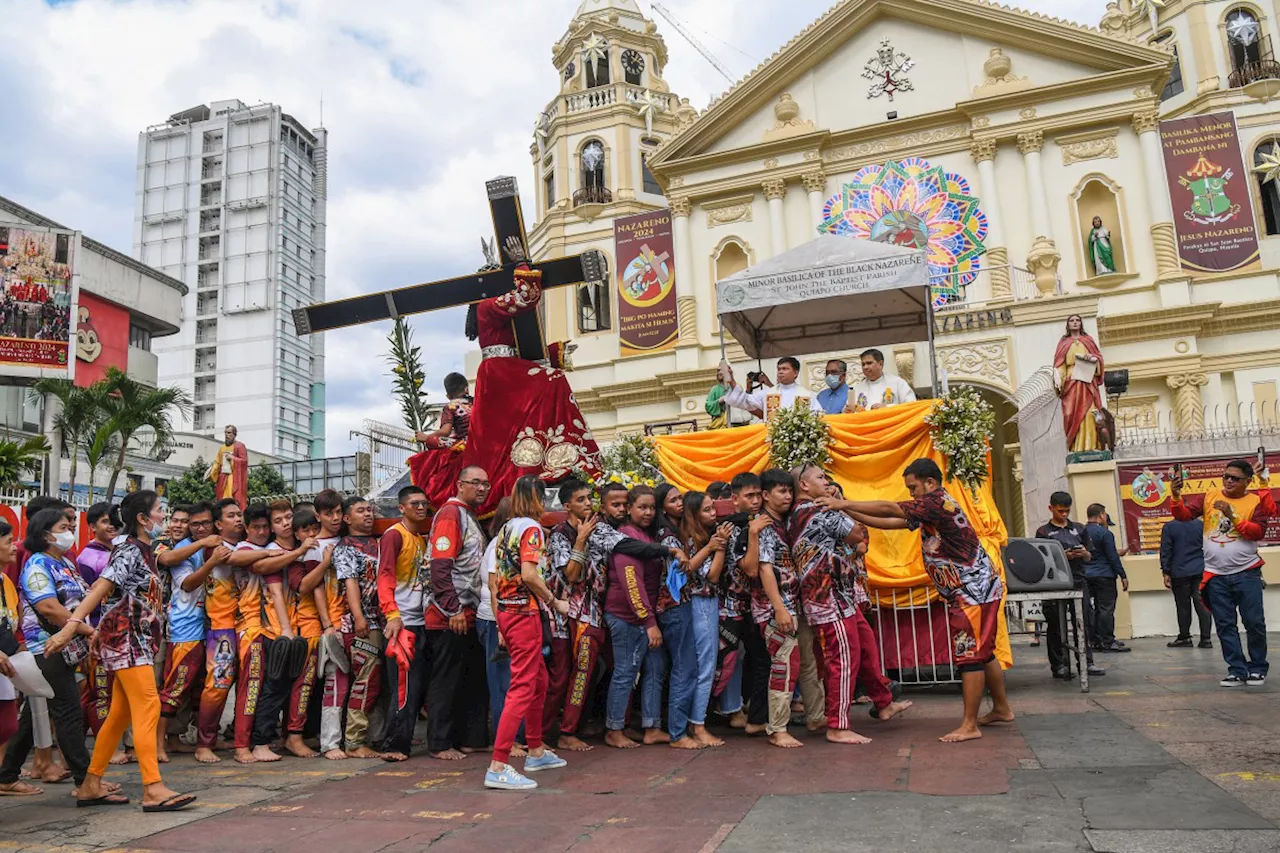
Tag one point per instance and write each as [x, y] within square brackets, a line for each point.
[35, 299]
[647, 308]
[1145, 497]
[1210, 189]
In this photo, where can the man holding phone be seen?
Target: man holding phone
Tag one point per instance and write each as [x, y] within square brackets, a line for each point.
[1234, 521]
[1074, 539]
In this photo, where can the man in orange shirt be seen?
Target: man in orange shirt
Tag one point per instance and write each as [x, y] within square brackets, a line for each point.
[402, 562]
[283, 554]
[1234, 521]
[331, 600]
[305, 575]
[221, 602]
[262, 618]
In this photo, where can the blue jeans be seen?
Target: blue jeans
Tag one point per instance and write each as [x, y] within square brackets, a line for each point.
[1224, 594]
[498, 673]
[652, 682]
[677, 639]
[706, 639]
[630, 642]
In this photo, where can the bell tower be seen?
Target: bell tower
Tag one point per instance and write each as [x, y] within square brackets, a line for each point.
[590, 149]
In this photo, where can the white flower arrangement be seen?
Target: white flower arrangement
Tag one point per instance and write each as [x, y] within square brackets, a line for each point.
[961, 425]
[631, 460]
[798, 436]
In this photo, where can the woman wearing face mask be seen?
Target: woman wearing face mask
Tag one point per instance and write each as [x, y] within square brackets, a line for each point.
[49, 587]
[128, 639]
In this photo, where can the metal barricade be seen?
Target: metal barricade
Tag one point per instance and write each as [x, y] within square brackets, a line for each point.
[914, 638]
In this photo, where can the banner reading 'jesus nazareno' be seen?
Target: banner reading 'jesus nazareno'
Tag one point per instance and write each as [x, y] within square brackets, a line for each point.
[647, 312]
[1209, 188]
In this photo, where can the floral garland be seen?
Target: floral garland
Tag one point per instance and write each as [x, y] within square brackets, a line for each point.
[961, 425]
[632, 460]
[798, 436]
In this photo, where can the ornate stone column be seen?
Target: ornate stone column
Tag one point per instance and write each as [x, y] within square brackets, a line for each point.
[775, 189]
[686, 302]
[1044, 257]
[904, 359]
[815, 184]
[1188, 408]
[1163, 238]
[984, 154]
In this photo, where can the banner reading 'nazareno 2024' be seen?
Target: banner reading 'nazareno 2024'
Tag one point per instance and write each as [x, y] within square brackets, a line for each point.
[647, 309]
[1209, 189]
[36, 296]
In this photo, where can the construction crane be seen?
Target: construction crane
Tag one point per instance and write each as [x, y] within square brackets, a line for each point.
[697, 45]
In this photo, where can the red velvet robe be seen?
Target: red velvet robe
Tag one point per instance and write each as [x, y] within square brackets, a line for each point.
[524, 420]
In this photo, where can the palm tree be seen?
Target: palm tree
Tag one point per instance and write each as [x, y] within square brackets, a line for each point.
[21, 457]
[81, 413]
[99, 446]
[132, 406]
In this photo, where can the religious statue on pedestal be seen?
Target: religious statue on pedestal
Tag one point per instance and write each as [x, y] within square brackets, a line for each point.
[1079, 374]
[229, 472]
[1100, 248]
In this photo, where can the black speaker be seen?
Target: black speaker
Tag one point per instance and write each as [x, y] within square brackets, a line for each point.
[1036, 565]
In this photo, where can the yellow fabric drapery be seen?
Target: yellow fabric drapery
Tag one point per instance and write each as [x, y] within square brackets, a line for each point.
[869, 450]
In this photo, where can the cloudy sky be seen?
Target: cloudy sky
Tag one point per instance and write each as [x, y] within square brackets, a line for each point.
[423, 100]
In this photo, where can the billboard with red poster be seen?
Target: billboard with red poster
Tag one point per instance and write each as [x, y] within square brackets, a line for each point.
[102, 338]
[37, 292]
[1144, 494]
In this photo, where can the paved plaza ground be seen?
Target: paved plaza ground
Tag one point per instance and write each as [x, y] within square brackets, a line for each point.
[1157, 757]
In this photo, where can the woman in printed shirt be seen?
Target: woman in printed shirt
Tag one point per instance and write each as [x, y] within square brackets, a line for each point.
[675, 618]
[520, 560]
[127, 639]
[706, 542]
[51, 587]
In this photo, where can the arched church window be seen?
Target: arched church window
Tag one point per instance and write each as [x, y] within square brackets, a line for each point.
[1268, 191]
[648, 181]
[1174, 86]
[595, 61]
[632, 66]
[593, 307]
[593, 174]
[1244, 44]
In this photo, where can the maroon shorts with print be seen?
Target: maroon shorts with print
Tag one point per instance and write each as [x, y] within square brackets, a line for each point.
[973, 633]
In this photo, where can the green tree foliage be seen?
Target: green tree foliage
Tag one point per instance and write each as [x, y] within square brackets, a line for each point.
[18, 458]
[266, 481]
[192, 485]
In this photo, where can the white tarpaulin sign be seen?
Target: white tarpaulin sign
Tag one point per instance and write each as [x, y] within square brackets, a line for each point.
[830, 293]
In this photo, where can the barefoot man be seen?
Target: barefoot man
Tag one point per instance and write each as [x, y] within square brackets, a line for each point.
[965, 578]
[828, 590]
[775, 595]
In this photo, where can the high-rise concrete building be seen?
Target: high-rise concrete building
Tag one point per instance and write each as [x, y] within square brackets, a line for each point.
[231, 200]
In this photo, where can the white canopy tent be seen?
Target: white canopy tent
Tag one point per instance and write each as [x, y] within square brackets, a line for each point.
[825, 294]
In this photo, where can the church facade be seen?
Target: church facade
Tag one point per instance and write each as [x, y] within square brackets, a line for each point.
[1024, 152]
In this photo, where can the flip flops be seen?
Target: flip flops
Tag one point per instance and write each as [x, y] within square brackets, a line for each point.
[34, 791]
[104, 800]
[175, 803]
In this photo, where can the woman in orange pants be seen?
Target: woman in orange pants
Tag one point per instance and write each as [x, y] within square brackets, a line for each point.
[127, 641]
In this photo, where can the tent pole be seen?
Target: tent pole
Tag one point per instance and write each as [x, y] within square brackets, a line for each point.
[933, 353]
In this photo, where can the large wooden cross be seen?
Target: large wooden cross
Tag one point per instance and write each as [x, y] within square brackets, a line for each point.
[508, 225]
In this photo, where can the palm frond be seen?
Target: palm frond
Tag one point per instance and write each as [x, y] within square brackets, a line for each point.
[408, 377]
